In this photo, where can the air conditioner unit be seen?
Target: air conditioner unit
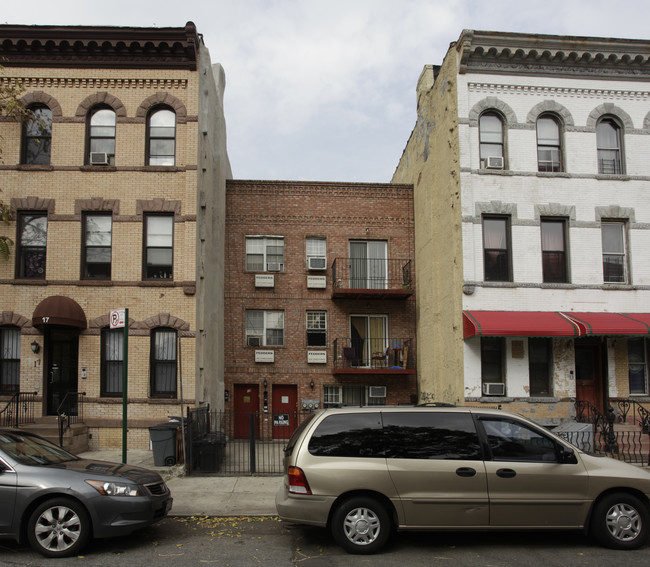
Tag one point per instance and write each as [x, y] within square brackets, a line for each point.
[377, 392]
[494, 162]
[274, 267]
[254, 340]
[317, 263]
[99, 158]
[494, 389]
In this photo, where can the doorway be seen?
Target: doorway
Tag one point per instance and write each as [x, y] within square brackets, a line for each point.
[285, 406]
[247, 408]
[62, 371]
[589, 374]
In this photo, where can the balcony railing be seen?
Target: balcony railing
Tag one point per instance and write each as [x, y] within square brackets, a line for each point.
[372, 278]
[385, 355]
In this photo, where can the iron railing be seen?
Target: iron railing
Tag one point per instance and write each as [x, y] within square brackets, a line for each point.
[633, 412]
[19, 410]
[631, 445]
[232, 443]
[70, 412]
[380, 353]
[372, 273]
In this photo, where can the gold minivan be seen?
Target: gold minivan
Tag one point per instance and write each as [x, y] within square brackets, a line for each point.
[364, 472]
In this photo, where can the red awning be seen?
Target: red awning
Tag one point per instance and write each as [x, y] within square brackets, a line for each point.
[518, 323]
[59, 310]
[553, 324]
[611, 323]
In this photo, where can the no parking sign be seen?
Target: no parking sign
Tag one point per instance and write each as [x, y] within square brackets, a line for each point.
[117, 319]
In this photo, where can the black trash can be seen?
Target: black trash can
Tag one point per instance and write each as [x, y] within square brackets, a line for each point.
[163, 443]
[208, 452]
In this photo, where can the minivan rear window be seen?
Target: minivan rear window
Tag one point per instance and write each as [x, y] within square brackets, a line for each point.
[348, 435]
[431, 435]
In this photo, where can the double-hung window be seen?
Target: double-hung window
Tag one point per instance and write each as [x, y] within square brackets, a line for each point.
[549, 150]
[264, 328]
[554, 257]
[491, 144]
[112, 362]
[316, 329]
[158, 247]
[97, 246]
[496, 249]
[163, 363]
[614, 252]
[31, 249]
[609, 142]
[101, 136]
[316, 249]
[539, 366]
[37, 136]
[161, 133]
[264, 253]
[637, 357]
[9, 359]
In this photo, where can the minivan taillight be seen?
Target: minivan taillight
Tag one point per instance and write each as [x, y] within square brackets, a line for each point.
[298, 481]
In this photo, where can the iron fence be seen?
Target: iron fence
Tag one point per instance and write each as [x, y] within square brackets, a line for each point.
[232, 443]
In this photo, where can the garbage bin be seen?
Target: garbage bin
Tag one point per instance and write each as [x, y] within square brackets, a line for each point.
[208, 452]
[163, 443]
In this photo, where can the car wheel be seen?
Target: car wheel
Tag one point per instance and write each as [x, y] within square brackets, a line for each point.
[620, 521]
[59, 528]
[361, 525]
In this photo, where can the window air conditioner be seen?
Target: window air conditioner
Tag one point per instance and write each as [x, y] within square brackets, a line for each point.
[317, 263]
[377, 392]
[494, 162]
[99, 158]
[253, 340]
[274, 267]
[494, 389]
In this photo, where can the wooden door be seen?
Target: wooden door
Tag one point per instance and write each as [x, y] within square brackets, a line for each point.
[284, 407]
[589, 374]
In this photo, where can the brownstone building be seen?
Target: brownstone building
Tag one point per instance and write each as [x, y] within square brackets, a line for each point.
[319, 297]
[117, 186]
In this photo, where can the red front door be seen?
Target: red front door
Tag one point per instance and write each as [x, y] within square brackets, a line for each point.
[247, 411]
[284, 406]
[589, 375]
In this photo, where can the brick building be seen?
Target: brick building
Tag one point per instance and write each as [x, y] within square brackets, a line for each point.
[117, 186]
[529, 161]
[319, 294]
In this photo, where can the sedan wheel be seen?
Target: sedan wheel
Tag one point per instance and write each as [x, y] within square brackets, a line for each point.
[59, 528]
[620, 521]
[361, 525]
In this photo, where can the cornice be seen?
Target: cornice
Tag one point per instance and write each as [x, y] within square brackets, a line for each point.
[99, 46]
[516, 53]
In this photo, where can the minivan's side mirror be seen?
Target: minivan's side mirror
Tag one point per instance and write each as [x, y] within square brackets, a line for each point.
[567, 455]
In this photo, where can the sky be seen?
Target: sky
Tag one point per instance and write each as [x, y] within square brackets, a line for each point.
[324, 90]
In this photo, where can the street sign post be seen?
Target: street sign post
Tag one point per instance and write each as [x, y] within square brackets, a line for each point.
[119, 318]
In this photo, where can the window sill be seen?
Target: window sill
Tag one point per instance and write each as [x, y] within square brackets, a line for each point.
[97, 168]
[162, 168]
[613, 176]
[156, 283]
[485, 171]
[34, 167]
[562, 174]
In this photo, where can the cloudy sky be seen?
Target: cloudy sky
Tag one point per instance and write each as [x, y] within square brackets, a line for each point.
[324, 90]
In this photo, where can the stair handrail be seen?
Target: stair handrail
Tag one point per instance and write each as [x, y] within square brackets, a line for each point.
[587, 412]
[637, 412]
[68, 420]
[13, 415]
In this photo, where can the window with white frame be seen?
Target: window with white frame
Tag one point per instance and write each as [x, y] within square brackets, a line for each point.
[614, 252]
[351, 395]
[549, 148]
[490, 128]
[316, 250]
[316, 328]
[264, 328]
[264, 253]
[637, 358]
[609, 142]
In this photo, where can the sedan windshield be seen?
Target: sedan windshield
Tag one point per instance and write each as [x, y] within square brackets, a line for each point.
[30, 450]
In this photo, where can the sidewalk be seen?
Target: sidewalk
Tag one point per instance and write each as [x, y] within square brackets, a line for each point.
[200, 495]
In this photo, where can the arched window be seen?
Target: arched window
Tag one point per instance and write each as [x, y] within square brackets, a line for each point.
[491, 140]
[37, 136]
[101, 136]
[610, 150]
[549, 146]
[161, 137]
[163, 363]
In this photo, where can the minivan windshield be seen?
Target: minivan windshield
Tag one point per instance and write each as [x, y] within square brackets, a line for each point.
[30, 450]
